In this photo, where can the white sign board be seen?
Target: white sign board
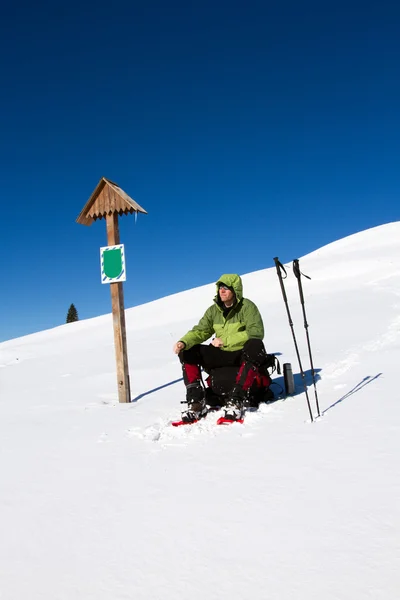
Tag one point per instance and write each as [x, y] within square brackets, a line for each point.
[112, 261]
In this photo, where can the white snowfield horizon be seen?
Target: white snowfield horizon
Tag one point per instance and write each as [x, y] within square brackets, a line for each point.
[109, 501]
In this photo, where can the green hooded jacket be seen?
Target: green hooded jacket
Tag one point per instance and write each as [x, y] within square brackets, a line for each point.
[242, 323]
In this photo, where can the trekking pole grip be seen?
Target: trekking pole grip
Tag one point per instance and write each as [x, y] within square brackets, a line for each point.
[280, 266]
[296, 271]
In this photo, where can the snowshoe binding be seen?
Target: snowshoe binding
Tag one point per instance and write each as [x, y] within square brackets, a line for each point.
[196, 405]
[234, 411]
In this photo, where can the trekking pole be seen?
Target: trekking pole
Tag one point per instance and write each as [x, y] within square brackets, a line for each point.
[280, 267]
[298, 274]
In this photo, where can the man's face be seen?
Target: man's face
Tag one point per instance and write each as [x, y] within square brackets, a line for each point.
[225, 294]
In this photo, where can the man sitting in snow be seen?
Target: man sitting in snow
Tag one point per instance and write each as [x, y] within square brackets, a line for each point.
[237, 347]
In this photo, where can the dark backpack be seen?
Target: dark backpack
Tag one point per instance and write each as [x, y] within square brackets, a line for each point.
[221, 380]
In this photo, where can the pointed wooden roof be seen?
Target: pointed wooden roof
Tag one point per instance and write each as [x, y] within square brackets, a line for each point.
[106, 199]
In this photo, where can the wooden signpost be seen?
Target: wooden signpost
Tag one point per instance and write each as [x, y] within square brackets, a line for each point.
[108, 201]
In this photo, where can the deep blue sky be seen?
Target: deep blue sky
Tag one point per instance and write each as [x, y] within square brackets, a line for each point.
[246, 130]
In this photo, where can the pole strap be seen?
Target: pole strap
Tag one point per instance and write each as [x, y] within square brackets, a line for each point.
[296, 269]
[280, 266]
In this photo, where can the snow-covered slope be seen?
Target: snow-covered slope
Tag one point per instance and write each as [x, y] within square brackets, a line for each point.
[108, 501]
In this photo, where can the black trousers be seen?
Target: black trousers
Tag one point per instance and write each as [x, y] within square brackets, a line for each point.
[222, 365]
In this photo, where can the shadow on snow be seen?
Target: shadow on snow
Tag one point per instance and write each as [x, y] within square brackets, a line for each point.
[298, 382]
[160, 387]
[355, 389]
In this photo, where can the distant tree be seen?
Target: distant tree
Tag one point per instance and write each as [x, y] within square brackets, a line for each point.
[72, 314]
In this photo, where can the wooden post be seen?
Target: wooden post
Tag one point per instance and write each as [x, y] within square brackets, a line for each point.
[108, 202]
[118, 313]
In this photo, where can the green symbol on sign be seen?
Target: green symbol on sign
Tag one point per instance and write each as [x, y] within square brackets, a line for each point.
[112, 263]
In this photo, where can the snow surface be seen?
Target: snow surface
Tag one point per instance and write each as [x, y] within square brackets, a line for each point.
[107, 501]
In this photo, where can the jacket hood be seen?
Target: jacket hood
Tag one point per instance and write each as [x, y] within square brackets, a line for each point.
[234, 281]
